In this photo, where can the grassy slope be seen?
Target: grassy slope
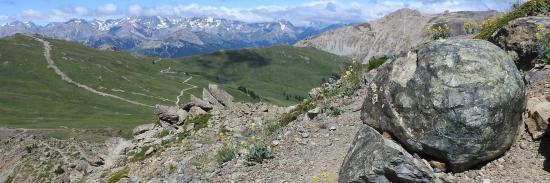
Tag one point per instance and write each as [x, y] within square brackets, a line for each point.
[528, 8]
[32, 96]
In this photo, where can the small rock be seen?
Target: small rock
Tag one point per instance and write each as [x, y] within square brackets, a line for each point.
[149, 151]
[59, 170]
[313, 112]
[275, 142]
[143, 128]
[198, 145]
[438, 165]
[195, 111]
[486, 181]
[96, 161]
[305, 135]
[332, 128]
[387, 135]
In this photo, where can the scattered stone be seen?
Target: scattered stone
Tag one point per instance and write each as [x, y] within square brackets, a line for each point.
[149, 151]
[313, 112]
[304, 135]
[96, 161]
[433, 101]
[198, 145]
[372, 158]
[143, 128]
[59, 170]
[387, 135]
[275, 142]
[438, 165]
[332, 128]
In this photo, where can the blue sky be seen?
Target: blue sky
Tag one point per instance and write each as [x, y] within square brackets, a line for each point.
[300, 12]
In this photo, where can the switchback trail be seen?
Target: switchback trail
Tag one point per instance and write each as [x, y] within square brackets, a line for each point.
[185, 89]
[64, 77]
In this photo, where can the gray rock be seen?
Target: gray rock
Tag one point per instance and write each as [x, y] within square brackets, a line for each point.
[532, 77]
[521, 36]
[313, 112]
[221, 95]
[166, 113]
[182, 115]
[537, 117]
[96, 161]
[459, 101]
[372, 158]
[194, 101]
[207, 96]
[59, 170]
[143, 128]
[195, 111]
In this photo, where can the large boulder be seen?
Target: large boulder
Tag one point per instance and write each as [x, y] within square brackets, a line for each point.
[523, 37]
[170, 114]
[373, 158]
[458, 101]
[221, 95]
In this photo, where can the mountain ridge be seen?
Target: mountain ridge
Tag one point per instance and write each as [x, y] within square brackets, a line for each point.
[169, 37]
[396, 32]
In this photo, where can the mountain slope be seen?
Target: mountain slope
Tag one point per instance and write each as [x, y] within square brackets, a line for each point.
[169, 36]
[393, 33]
[34, 96]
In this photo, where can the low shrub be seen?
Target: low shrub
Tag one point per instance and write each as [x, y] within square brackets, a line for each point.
[440, 31]
[9, 179]
[491, 25]
[118, 175]
[199, 121]
[139, 156]
[258, 153]
[163, 133]
[272, 128]
[226, 153]
[301, 108]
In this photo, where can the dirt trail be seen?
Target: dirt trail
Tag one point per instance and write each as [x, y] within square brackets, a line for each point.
[64, 77]
[185, 89]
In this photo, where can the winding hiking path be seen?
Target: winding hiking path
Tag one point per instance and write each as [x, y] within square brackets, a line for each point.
[64, 77]
[185, 89]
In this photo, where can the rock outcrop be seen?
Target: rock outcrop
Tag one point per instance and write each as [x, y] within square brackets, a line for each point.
[374, 158]
[523, 37]
[396, 32]
[169, 114]
[459, 101]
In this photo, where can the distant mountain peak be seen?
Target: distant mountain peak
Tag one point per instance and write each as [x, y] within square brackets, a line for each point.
[170, 36]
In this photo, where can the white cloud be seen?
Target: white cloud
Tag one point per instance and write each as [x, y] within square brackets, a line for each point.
[135, 9]
[31, 14]
[80, 10]
[3, 19]
[107, 9]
